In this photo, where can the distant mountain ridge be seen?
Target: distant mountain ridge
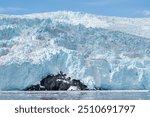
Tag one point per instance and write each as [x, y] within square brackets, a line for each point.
[135, 26]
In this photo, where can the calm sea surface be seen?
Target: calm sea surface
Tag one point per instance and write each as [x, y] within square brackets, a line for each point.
[76, 95]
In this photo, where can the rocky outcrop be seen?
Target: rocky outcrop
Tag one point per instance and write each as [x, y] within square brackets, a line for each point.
[57, 82]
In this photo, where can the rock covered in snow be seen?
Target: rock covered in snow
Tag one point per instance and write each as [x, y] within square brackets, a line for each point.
[57, 82]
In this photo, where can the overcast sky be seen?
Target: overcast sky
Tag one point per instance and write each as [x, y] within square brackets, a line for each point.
[123, 8]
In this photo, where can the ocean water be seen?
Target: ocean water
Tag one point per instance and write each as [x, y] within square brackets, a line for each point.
[76, 95]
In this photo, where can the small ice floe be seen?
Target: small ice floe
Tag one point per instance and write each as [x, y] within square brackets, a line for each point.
[73, 88]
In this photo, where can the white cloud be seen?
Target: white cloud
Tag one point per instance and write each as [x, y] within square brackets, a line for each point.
[5, 9]
[146, 12]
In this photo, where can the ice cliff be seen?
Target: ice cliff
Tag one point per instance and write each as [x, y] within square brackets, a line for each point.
[103, 52]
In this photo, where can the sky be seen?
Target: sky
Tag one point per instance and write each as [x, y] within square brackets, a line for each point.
[121, 8]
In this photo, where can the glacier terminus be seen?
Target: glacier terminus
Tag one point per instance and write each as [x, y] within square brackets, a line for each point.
[111, 53]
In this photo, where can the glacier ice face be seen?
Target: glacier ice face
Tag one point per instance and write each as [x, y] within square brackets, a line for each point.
[104, 52]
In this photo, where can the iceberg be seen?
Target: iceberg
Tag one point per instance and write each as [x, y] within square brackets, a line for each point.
[103, 52]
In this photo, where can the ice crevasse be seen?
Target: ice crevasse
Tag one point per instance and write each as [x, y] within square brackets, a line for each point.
[103, 52]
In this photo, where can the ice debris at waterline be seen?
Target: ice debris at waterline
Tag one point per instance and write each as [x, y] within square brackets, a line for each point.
[103, 52]
[57, 82]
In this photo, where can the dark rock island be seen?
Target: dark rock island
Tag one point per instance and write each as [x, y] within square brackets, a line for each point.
[57, 82]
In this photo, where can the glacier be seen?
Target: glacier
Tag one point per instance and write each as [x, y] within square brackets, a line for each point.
[104, 52]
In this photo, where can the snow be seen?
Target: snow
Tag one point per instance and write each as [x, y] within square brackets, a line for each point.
[103, 52]
[135, 26]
